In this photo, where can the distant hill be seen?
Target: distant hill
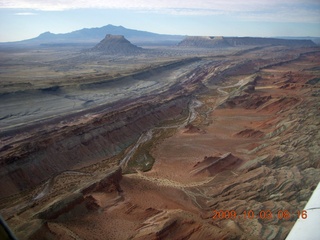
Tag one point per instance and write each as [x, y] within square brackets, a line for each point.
[116, 44]
[221, 42]
[94, 35]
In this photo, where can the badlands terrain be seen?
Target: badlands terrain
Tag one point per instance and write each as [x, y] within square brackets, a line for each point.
[152, 142]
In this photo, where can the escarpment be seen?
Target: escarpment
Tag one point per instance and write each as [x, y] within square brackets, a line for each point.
[29, 163]
[223, 42]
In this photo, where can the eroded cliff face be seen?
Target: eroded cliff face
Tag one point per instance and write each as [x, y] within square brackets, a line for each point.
[35, 160]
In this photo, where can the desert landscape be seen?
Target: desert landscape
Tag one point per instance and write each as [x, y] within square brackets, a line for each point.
[206, 138]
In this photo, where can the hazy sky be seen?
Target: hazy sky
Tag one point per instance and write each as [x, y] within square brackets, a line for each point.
[23, 19]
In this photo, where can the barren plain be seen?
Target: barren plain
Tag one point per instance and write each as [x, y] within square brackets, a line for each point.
[152, 145]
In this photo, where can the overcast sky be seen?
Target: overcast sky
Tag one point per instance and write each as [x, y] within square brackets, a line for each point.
[24, 19]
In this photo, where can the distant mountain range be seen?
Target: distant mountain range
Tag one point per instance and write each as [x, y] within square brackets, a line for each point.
[92, 36]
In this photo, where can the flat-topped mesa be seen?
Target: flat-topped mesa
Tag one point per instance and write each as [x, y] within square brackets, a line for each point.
[116, 44]
[246, 41]
[204, 42]
[222, 42]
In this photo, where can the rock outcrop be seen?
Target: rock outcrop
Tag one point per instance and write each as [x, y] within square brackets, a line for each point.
[214, 165]
[71, 205]
[116, 45]
[250, 133]
[191, 129]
